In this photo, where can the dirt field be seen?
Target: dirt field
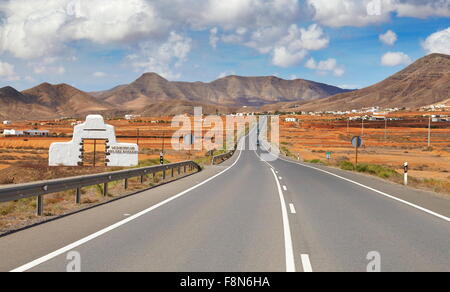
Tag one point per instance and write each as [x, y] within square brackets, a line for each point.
[25, 159]
[402, 141]
[151, 134]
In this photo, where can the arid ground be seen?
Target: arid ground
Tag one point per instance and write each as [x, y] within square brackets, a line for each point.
[25, 159]
[404, 140]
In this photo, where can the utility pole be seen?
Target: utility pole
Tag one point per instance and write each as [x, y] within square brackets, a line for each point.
[362, 126]
[161, 155]
[385, 129]
[163, 136]
[429, 133]
[137, 139]
[95, 150]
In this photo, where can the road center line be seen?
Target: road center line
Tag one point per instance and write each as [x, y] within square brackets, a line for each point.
[93, 236]
[374, 190]
[285, 188]
[307, 268]
[292, 207]
[289, 251]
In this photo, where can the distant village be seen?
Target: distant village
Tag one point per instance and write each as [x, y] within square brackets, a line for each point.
[367, 114]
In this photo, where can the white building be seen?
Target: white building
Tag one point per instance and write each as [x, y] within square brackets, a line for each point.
[7, 122]
[12, 133]
[70, 153]
[131, 117]
[36, 133]
[290, 120]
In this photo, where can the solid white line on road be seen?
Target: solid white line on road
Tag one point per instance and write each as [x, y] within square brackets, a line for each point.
[380, 192]
[280, 177]
[292, 207]
[289, 250]
[80, 242]
[285, 188]
[374, 190]
[307, 268]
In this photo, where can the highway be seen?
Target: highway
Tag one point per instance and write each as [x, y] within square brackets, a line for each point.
[248, 215]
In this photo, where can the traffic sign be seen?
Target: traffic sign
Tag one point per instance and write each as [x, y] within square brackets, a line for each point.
[328, 155]
[357, 142]
[189, 139]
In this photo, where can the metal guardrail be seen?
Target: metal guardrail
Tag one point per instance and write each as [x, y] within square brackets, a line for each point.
[39, 189]
[222, 157]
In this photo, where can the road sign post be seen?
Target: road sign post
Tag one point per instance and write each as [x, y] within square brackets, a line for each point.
[357, 142]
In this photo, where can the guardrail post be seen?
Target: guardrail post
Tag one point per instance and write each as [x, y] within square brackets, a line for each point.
[76, 184]
[40, 206]
[78, 196]
[105, 189]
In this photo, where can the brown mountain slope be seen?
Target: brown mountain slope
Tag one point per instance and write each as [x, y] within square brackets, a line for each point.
[64, 99]
[425, 82]
[15, 105]
[234, 91]
[48, 101]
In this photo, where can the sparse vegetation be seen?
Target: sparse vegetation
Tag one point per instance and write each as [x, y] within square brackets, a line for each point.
[315, 161]
[384, 151]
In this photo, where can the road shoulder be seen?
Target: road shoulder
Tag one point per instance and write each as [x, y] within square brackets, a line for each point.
[434, 202]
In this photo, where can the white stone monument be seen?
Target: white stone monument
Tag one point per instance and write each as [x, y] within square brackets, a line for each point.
[70, 153]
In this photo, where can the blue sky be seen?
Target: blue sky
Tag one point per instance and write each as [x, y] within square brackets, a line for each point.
[98, 44]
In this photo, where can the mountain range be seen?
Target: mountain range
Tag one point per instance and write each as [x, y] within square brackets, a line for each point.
[425, 82]
[153, 95]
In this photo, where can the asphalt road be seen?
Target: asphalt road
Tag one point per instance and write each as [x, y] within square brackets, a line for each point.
[247, 215]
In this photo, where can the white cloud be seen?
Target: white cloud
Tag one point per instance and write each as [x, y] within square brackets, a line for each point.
[348, 86]
[36, 28]
[422, 8]
[7, 72]
[293, 48]
[47, 66]
[339, 13]
[282, 57]
[392, 59]
[438, 42]
[99, 74]
[165, 58]
[32, 29]
[213, 38]
[389, 38]
[60, 70]
[325, 67]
